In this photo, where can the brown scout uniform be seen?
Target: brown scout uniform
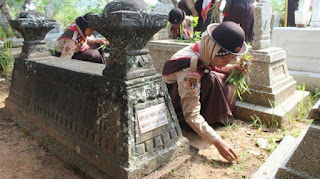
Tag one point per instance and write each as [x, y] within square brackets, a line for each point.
[199, 93]
[73, 44]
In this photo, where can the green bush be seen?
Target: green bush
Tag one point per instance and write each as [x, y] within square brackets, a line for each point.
[6, 59]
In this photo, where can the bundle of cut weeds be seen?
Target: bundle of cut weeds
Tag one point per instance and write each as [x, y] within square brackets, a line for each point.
[237, 79]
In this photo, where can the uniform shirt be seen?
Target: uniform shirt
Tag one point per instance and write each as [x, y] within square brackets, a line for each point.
[69, 46]
[188, 81]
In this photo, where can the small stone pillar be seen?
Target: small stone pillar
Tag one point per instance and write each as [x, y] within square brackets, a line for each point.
[261, 30]
[33, 27]
[315, 22]
[273, 89]
[302, 15]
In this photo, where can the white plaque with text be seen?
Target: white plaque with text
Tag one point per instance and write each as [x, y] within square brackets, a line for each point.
[152, 117]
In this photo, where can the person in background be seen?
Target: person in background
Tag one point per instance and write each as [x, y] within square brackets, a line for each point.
[196, 76]
[241, 12]
[180, 25]
[201, 9]
[74, 43]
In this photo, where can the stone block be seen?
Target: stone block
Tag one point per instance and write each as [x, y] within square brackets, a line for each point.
[158, 142]
[271, 115]
[149, 145]
[315, 112]
[304, 161]
[270, 167]
[173, 134]
[140, 149]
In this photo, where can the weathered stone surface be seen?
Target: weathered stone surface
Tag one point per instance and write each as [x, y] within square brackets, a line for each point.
[161, 35]
[295, 158]
[315, 112]
[270, 167]
[163, 50]
[304, 161]
[33, 28]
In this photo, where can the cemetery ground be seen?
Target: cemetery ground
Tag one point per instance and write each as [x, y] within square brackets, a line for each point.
[23, 157]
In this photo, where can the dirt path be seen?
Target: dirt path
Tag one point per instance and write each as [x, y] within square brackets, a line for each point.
[22, 157]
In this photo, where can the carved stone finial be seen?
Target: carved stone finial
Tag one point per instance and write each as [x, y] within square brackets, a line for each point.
[33, 27]
[128, 25]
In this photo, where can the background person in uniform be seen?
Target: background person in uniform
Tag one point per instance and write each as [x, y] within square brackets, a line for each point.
[74, 43]
[241, 12]
[179, 22]
[196, 76]
[198, 8]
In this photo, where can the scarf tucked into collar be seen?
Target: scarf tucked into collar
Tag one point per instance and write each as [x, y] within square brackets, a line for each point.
[80, 39]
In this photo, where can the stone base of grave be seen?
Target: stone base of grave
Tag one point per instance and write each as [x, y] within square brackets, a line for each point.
[303, 163]
[62, 103]
[280, 113]
[270, 167]
[295, 157]
[43, 135]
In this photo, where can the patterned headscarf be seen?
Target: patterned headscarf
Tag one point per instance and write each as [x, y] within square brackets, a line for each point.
[207, 49]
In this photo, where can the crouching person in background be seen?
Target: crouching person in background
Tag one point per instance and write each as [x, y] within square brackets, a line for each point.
[74, 43]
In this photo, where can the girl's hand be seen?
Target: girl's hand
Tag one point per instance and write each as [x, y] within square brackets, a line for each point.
[239, 67]
[225, 150]
[104, 41]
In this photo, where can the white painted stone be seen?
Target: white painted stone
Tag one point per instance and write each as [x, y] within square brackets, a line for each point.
[315, 22]
[303, 57]
[303, 15]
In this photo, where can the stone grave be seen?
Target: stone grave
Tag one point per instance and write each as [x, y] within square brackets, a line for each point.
[109, 121]
[273, 90]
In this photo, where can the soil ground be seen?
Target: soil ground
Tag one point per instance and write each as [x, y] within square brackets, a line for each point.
[22, 157]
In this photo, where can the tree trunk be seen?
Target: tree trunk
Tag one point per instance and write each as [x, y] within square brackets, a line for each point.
[6, 11]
